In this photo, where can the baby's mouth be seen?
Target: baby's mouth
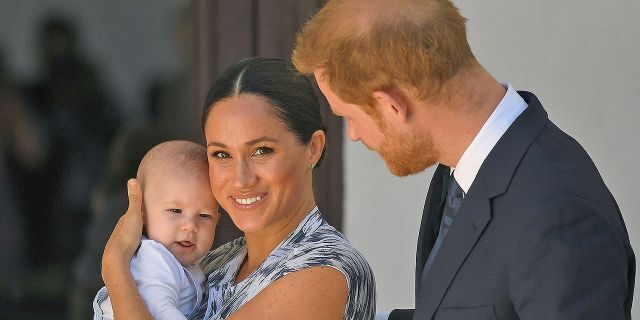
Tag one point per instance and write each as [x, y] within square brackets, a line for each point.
[186, 244]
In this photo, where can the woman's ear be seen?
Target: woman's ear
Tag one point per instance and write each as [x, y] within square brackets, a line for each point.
[391, 104]
[316, 146]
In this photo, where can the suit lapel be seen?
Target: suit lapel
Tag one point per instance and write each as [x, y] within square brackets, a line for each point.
[471, 220]
[475, 214]
[426, 237]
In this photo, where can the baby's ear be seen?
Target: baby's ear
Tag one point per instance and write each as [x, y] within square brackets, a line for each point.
[143, 210]
[144, 220]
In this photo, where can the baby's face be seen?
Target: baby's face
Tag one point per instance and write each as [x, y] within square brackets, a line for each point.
[181, 213]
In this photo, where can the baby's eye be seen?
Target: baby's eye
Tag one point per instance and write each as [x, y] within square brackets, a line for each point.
[175, 210]
[205, 215]
[220, 154]
[262, 151]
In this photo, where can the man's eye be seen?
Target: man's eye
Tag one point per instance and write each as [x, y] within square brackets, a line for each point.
[220, 154]
[262, 151]
[174, 210]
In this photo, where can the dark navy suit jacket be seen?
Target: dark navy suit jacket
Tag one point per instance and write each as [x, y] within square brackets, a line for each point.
[538, 236]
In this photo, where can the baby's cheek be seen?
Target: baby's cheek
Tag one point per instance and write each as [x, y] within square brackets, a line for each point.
[160, 234]
[209, 235]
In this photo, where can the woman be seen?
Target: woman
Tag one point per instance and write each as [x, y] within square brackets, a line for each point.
[264, 136]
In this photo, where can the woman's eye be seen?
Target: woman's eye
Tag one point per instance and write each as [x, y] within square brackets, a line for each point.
[262, 151]
[220, 154]
[174, 210]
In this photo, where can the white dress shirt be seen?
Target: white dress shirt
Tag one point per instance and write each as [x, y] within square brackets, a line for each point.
[509, 108]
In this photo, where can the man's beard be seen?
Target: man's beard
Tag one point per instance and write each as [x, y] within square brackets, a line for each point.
[406, 154]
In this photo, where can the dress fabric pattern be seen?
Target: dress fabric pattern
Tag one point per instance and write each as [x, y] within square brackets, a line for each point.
[313, 243]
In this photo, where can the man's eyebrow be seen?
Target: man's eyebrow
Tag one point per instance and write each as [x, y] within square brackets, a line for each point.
[248, 143]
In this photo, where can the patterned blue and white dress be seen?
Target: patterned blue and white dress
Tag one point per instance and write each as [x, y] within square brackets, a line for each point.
[313, 243]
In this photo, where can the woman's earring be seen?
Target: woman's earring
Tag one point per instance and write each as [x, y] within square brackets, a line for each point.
[311, 165]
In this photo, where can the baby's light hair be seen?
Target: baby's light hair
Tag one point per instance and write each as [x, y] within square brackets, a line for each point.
[173, 157]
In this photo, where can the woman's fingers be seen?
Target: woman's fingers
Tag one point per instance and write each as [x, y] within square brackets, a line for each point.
[125, 237]
[135, 197]
[129, 228]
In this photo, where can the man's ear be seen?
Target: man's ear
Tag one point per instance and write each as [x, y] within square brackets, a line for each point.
[392, 103]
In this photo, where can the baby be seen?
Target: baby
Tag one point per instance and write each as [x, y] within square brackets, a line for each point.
[180, 216]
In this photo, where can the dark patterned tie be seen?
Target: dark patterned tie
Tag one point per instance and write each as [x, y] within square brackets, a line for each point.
[451, 206]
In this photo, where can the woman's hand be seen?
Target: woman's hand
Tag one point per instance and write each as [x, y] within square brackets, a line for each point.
[125, 298]
[125, 238]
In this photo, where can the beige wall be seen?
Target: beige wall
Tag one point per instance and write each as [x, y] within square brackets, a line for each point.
[579, 57]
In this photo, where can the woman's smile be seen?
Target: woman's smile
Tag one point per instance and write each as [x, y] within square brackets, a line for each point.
[257, 165]
[245, 202]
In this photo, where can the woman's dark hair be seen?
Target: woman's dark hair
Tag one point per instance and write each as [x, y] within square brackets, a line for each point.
[291, 94]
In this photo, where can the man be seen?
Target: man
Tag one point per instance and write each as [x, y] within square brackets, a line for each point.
[518, 223]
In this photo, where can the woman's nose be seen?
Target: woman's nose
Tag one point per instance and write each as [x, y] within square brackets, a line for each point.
[244, 175]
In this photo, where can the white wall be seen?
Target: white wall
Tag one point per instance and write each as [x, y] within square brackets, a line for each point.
[581, 58]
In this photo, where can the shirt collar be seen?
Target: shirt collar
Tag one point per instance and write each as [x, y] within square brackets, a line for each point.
[509, 108]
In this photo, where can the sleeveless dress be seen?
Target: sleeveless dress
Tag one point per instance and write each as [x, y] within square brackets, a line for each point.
[313, 243]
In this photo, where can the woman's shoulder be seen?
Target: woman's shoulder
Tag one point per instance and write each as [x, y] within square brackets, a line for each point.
[326, 246]
[328, 238]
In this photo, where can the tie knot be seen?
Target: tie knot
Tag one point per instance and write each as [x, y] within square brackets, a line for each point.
[454, 193]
